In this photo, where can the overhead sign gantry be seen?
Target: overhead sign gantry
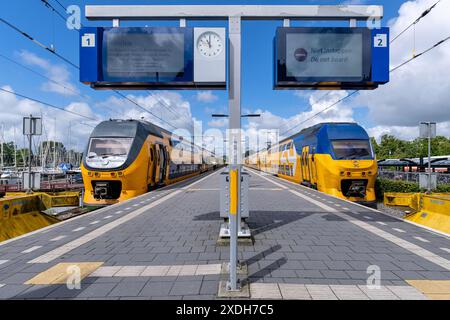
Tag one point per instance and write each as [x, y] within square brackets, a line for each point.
[122, 73]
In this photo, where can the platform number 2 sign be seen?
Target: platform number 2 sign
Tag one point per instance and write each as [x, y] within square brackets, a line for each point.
[380, 40]
[88, 40]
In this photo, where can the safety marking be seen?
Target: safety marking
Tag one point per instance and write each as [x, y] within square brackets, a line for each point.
[135, 205]
[381, 222]
[58, 238]
[1, 285]
[94, 222]
[157, 271]
[293, 291]
[428, 255]
[62, 272]
[58, 252]
[31, 249]
[337, 205]
[107, 217]
[211, 189]
[3, 261]
[128, 208]
[399, 230]
[433, 289]
[355, 212]
[119, 212]
[421, 239]
[368, 218]
[445, 249]
[78, 229]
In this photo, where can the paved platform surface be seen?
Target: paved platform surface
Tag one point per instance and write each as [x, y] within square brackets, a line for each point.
[162, 245]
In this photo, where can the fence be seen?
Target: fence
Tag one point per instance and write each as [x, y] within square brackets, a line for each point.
[442, 178]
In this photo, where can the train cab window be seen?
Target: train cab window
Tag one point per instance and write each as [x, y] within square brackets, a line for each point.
[352, 149]
[101, 147]
[151, 154]
[313, 151]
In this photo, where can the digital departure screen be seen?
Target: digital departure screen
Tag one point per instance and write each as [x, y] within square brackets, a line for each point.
[141, 55]
[324, 57]
[336, 55]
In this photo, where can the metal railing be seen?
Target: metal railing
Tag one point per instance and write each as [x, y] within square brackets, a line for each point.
[442, 178]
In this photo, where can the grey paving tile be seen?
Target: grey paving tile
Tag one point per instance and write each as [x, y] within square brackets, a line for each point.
[156, 289]
[126, 288]
[186, 288]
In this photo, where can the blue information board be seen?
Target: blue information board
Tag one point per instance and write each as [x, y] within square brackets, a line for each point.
[140, 58]
[331, 58]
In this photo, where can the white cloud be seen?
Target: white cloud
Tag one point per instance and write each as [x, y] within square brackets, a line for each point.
[166, 105]
[420, 90]
[206, 96]
[59, 74]
[56, 123]
[218, 123]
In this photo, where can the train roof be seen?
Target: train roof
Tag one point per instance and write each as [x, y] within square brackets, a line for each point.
[127, 128]
[313, 129]
[131, 128]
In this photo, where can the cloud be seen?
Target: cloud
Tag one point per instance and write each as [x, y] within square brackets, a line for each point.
[206, 96]
[167, 105]
[55, 123]
[218, 123]
[420, 90]
[59, 74]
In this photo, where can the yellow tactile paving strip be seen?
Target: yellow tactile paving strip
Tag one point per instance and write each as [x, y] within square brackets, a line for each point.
[60, 273]
[433, 289]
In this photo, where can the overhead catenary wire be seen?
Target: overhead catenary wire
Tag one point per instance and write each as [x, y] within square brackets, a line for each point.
[420, 54]
[51, 50]
[42, 75]
[49, 105]
[77, 67]
[415, 56]
[423, 14]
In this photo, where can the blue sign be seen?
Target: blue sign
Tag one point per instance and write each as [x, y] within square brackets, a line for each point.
[140, 58]
[331, 58]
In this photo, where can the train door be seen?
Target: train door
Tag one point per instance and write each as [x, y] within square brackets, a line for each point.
[152, 165]
[157, 164]
[305, 168]
[313, 166]
[162, 163]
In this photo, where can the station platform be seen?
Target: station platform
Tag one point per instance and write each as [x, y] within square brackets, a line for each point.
[163, 245]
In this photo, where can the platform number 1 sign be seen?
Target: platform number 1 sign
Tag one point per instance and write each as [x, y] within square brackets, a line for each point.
[380, 40]
[88, 40]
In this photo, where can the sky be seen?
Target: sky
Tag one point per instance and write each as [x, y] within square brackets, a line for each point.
[419, 91]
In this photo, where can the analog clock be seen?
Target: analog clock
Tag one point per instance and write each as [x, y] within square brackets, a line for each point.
[209, 44]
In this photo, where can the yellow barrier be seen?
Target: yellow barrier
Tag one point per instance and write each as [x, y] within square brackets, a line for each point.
[21, 212]
[234, 191]
[431, 210]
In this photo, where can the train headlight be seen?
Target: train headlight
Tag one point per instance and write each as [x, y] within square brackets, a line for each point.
[113, 174]
[342, 173]
[97, 174]
[348, 173]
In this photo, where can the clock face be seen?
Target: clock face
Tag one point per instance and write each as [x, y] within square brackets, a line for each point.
[209, 44]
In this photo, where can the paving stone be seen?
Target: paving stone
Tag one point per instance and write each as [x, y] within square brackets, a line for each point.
[186, 288]
[128, 289]
[98, 290]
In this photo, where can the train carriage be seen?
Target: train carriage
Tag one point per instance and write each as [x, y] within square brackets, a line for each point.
[335, 158]
[126, 158]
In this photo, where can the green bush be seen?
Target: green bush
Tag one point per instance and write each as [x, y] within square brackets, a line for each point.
[387, 185]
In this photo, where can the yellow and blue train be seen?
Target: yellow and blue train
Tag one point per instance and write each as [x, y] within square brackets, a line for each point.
[335, 158]
[126, 158]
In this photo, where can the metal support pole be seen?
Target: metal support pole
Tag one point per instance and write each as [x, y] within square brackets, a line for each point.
[234, 94]
[30, 190]
[429, 158]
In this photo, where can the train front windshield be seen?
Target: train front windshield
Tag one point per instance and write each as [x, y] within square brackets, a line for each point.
[102, 147]
[352, 149]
